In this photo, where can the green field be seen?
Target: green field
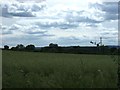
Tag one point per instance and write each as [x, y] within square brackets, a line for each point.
[0, 69]
[57, 70]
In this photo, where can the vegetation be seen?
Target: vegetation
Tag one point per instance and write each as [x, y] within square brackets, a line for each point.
[30, 47]
[6, 47]
[55, 70]
[0, 69]
[101, 50]
[21, 47]
[54, 48]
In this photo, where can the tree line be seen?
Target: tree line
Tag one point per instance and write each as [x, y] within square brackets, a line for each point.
[21, 47]
[54, 48]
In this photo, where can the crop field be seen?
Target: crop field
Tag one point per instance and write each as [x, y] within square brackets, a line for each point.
[0, 69]
[58, 70]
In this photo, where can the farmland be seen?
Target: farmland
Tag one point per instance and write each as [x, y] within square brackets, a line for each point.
[58, 70]
[0, 69]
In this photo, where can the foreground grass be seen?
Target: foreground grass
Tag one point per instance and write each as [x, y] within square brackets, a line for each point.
[57, 70]
[0, 69]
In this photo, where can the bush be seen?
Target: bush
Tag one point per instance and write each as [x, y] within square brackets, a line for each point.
[6, 47]
[30, 47]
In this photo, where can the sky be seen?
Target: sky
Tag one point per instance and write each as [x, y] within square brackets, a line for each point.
[64, 22]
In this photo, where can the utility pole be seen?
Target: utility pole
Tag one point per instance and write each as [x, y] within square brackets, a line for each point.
[100, 41]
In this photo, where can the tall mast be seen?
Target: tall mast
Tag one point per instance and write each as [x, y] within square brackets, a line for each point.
[101, 41]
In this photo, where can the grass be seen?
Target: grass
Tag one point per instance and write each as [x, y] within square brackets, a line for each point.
[57, 70]
[0, 69]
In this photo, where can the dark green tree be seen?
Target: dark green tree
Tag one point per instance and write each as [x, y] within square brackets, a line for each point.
[6, 47]
[53, 45]
[30, 47]
[20, 47]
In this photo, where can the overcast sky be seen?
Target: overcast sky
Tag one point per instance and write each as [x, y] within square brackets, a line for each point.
[65, 22]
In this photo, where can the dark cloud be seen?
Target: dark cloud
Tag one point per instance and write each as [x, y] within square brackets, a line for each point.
[4, 11]
[111, 17]
[109, 8]
[22, 14]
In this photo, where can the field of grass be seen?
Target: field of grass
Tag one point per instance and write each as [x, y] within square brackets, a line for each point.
[0, 69]
[57, 70]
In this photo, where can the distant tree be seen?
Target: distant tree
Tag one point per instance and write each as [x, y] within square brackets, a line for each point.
[30, 47]
[53, 45]
[6, 47]
[13, 48]
[20, 47]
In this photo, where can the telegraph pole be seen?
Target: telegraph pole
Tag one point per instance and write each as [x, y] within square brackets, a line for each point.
[100, 41]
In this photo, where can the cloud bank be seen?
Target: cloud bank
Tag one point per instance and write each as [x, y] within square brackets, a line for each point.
[62, 23]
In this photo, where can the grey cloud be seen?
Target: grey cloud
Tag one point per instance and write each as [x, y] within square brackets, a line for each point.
[69, 21]
[81, 19]
[37, 32]
[5, 30]
[20, 9]
[92, 25]
[61, 25]
[14, 27]
[111, 17]
[22, 14]
[7, 13]
[40, 34]
[4, 11]
[26, 30]
[109, 33]
[84, 20]
[37, 8]
[110, 9]
[3, 27]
